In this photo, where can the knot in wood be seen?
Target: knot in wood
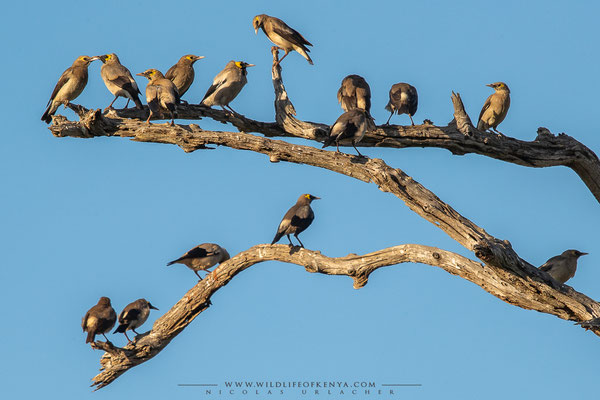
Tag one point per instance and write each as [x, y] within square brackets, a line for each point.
[351, 271]
[436, 255]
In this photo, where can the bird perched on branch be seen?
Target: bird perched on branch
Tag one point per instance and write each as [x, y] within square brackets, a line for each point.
[160, 92]
[297, 219]
[70, 85]
[133, 316]
[495, 108]
[202, 257]
[403, 100]
[284, 37]
[118, 80]
[562, 268]
[227, 85]
[352, 124]
[99, 320]
[182, 74]
[354, 93]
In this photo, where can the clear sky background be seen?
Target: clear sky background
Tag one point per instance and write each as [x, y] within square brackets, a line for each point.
[87, 218]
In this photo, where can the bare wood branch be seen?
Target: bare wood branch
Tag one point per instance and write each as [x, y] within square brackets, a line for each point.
[523, 292]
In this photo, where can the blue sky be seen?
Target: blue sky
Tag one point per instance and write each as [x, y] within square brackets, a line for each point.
[88, 218]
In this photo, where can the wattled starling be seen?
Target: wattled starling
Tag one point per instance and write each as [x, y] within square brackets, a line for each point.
[495, 108]
[202, 257]
[99, 320]
[352, 124]
[133, 316]
[403, 100]
[182, 73]
[284, 37]
[160, 92]
[70, 85]
[297, 219]
[563, 267]
[354, 93]
[118, 80]
[227, 85]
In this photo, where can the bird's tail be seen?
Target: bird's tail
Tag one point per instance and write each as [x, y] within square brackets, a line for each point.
[50, 110]
[90, 337]
[138, 103]
[173, 262]
[277, 237]
[304, 53]
[481, 125]
[389, 107]
[120, 329]
[328, 142]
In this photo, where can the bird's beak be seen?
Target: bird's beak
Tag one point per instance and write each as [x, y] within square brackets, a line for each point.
[490, 85]
[583, 254]
[250, 65]
[256, 31]
[140, 74]
[94, 58]
[200, 57]
[316, 198]
[152, 307]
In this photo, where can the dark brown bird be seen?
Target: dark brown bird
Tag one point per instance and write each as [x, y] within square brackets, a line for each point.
[182, 74]
[297, 219]
[99, 320]
[118, 80]
[562, 267]
[495, 108]
[160, 93]
[352, 124]
[133, 316]
[403, 100]
[202, 257]
[70, 85]
[284, 37]
[355, 93]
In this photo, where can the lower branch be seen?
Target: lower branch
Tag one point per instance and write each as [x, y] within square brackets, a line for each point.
[522, 292]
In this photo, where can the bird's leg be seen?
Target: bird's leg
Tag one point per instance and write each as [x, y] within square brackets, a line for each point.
[66, 103]
[297, 238]
[107, 341]
[232, 110]
[127, 104]
[497, 131]
[149, 116]
[172, 119]
[337, 144]
[110, 105]
[284, 56]
[354, 145]
[134, 331]
[411, 120]
[388, 121]
[128, 340]
[290, 239]
[198, 275]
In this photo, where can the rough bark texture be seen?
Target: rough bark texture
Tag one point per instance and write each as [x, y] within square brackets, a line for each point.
[503, 274]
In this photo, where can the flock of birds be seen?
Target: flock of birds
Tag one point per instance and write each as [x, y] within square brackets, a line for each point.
[164, 92]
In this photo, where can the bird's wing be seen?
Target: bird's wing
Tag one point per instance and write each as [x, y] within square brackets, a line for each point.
[129, 315]
[171, 72]
[216, 84]
[84, 320]
[486, 105]
[152, 96]
[547, 266]
[290, 34]
[64, 78]
[198, 252]
[303, 217]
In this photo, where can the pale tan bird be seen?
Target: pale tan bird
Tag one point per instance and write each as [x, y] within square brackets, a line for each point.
[160, 93]
[562, 267]
[227, 85]
[350, 125]
[118, 81]
[182, 74]
[355, 93]
[404, 99]
[99, 320]
[495, 108]
[284, 37]
[133, 316]
[296, 219]
[70, 85]
[203, 257]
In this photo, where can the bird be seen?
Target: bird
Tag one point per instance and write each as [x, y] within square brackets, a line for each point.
[99, 320]
[495, 108]
[562, 267]
[70, 85]
[160, 92]
[182, 74]
[284, 37]
[354, 93]
[403, 100]
[351, 124]
[202, 257]
[133, 316]
[296, 219]
[227, 85]
[118, 80]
